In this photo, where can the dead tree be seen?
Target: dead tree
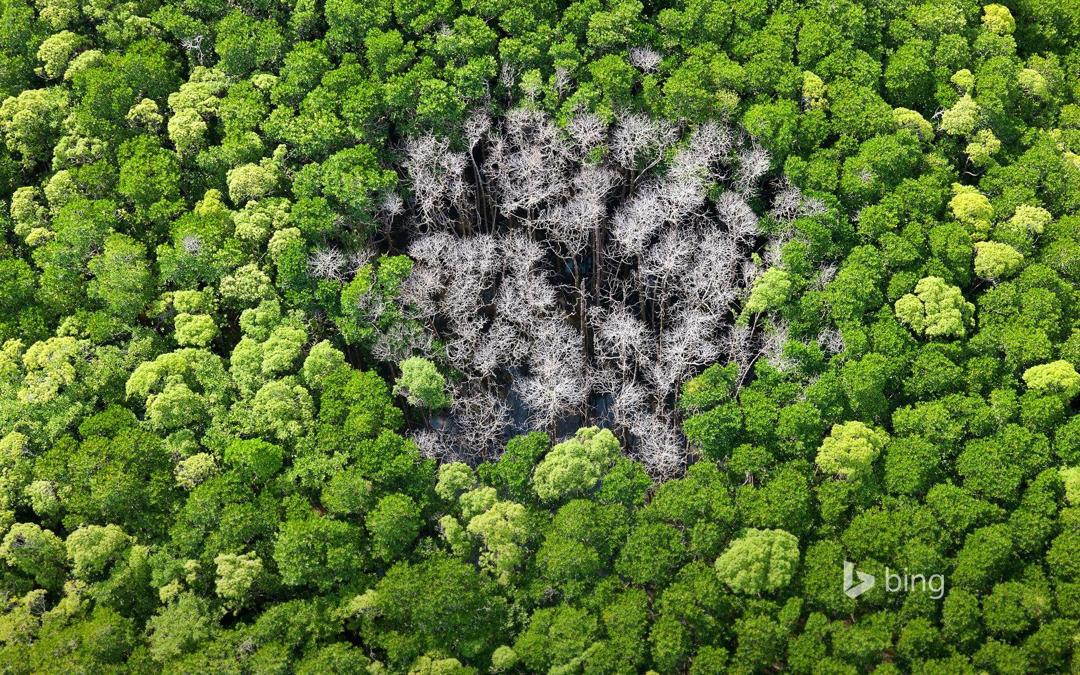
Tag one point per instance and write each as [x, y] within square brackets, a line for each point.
[581, 274]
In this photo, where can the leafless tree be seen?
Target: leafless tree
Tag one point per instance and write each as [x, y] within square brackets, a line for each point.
[476, 127]
[737, 215]
[327, 263]
[753, 165]
[644, 58]
[582, 274]
[194, 44]
[787, 204]
[773, 251]
[775, 339]
[571, 222]
[630, 406]
[529, 161]
[479, 418]
[824, 276]
[433, 444]
[563, 79]
[638, 141]
[587, 131]
[739, 346]
[356, 260]
[790, 203]
[508, 74]
[520, 253]
[831, 341]
[390, 206]
[557, 384]
[401, 340]
[192, 244]
[437, 178]
[660, 448]
[623, 341]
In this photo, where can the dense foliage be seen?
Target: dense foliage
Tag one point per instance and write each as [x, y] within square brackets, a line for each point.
[222, 398]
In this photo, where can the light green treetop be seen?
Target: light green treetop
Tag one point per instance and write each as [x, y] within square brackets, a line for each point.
[29, 214]
[962, 118]
[994, 260]
[813, 91]
[50, 366]
[1058, 377]
[187, 131]
[983, 146]
[194, 470]
[28, 122]
[475, 502]
[236, 576]
[971, 207]
[123, 281]
[251, 181]
[145, 113]
[93, 548]
[36, 552]
[179, 389]
[914, 122]
[454, 479]
[850, 450]
[323, 360]
[1033, 83]
[55, 53]
[503, 529]
[194, 330]
[574, 466]
[770, 290]
[998, 19]
[935, 309]
[1028, 220]
[761, 561]
[422, 385]
[1070, 476]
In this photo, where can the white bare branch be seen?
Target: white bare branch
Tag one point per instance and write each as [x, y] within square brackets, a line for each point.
[645, 58]
[328, 263]
[638, 141]
[753, 165]
[580, 274]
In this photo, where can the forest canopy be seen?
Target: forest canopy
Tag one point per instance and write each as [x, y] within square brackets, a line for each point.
[604, 336]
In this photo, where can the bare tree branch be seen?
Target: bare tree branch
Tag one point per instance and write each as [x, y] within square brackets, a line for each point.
[583, 273]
